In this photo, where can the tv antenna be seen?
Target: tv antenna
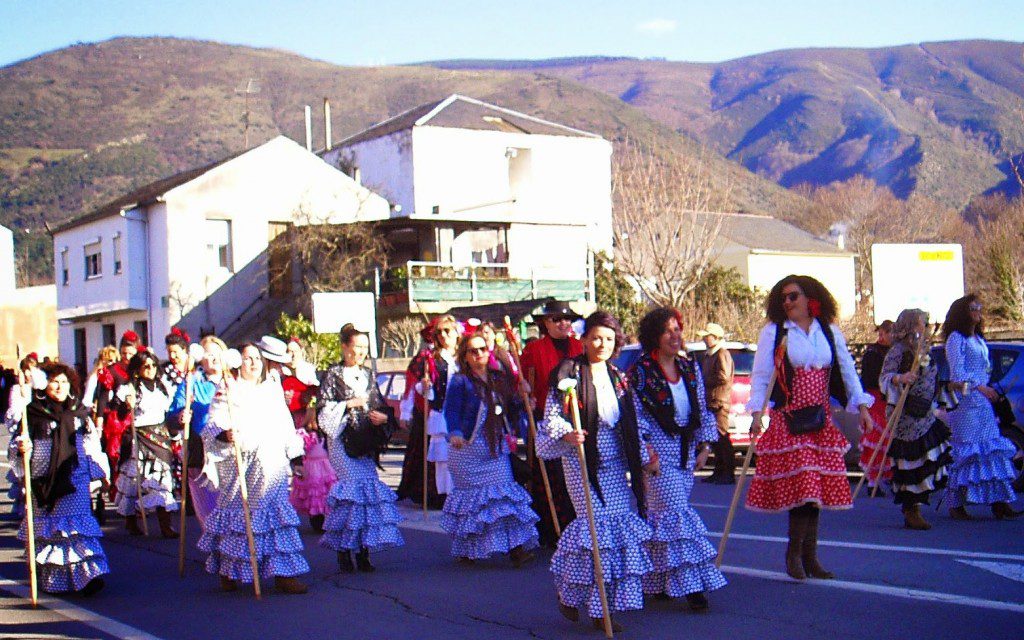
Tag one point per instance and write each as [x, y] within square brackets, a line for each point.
[252, 87]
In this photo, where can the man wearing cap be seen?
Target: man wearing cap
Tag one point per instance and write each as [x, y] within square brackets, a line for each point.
[718, 369]
[539, 359]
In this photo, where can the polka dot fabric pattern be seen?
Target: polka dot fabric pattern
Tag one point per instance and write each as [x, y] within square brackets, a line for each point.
[802, 469]
[157, 484]
[486, 512]
[274, 525]
[68, 550]
[682, 556]
[871, 440]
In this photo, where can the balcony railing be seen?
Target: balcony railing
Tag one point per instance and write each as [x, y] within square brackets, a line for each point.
[439, 282]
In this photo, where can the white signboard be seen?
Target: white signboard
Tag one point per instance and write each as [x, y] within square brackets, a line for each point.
[333, 310]
[916, 276]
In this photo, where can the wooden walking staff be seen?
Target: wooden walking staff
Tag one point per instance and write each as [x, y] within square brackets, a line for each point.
[513, 348]
[186, 416]
[426, 439]
[243, 487]
[138, 474]
[780, 352]
[568, 387]
[30, 526]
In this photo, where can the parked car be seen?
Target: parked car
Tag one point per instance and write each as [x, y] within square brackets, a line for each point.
[1007, 378]
[743, 358]
[392, 387]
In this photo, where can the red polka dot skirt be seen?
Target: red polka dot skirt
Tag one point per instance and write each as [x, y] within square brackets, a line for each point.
[805, 469]
[871, 440]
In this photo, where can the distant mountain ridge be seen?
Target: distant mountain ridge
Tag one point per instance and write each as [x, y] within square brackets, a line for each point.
[82, 125]
[941, 119]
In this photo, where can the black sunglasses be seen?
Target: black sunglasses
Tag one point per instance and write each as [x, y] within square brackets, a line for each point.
[473, 350]
[561, 318]
[792, 296]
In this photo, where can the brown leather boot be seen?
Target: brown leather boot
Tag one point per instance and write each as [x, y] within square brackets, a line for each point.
[913, 519]
[227, 584]
[797, 532]
[960, 513]
[164, 518]
[598, 623]
[131, 524]
[520, 556]
[809, 554]
[289, 585]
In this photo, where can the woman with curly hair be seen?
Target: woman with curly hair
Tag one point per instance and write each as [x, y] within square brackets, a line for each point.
[671, 398]
[982, 469]
[800, 468]
[610, 437]
[920, 441]
[145, 482]
[69, 556]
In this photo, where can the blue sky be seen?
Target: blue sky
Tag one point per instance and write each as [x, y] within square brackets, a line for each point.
[393, 31]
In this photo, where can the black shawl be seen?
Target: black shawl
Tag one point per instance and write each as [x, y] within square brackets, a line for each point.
[652, 389]
[42, 412]
[579, 368]
[784, 381]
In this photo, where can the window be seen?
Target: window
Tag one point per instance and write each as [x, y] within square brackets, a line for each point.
[81, 352]
[109, 335]
[65, 277]
[218, 243]
[141, 327]
[93, 261]
[117, 253]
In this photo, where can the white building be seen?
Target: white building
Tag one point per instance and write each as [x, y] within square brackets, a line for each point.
[764, 250]
[195, 250]
[490, 204]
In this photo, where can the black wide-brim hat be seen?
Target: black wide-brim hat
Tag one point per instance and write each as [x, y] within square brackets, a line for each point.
[557, 308]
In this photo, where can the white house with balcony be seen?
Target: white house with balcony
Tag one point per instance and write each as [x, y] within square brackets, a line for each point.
[197, 249]
[488, 204]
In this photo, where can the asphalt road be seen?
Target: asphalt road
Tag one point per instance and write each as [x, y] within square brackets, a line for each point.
[959, 580]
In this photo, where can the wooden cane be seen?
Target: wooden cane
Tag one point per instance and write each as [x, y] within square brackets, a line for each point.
[746, 461]
[30, 526]
[513, 344]
[138, 475]
[890, 426]
[186, 432]
[594, 546]
[426, 443]
[243, 488]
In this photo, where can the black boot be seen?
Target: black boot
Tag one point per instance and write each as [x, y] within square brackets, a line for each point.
[317, 522]
[164, 518]
[363, 561]
[345, 562]
[101, 510]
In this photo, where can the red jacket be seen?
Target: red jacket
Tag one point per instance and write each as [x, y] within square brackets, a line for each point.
[539, 359]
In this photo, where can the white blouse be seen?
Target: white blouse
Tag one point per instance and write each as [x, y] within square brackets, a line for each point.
[607, 401]
[805, 350]
[680, 401]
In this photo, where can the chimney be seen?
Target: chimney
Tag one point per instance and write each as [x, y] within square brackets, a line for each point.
[327, 123]
[309, 129]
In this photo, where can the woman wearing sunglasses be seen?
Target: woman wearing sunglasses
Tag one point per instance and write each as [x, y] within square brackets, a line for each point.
[147, 398]
[487, 511]
[982, 469]
[800, 468]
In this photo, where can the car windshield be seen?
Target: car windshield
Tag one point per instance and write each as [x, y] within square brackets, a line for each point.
[743, 361]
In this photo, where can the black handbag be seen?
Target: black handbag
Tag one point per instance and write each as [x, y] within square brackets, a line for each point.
[521, 471]
[805, 420]
[363, 439]
[917, 407]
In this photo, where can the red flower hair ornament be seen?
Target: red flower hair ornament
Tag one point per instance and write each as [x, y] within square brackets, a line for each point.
[814, 307]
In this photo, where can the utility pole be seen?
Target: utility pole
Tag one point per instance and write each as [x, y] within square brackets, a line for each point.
[251, 88]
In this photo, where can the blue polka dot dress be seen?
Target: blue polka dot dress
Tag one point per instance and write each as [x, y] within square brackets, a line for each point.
[361, 511]
[487, 511]
[982, 470]
[266, 435]
[68, 550]
[682, 556]
[622, 534]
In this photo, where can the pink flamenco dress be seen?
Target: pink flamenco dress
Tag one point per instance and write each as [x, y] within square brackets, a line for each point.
[309, 493]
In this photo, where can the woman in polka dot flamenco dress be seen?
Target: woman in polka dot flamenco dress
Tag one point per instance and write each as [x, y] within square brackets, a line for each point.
[800, 468]
[487, 511]
[361, 512]
[982, 470]
[68, 552]
[250, 410]
[670, 396]
[613, 449]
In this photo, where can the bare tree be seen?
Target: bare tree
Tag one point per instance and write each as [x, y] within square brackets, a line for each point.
[665, 238]
[402, 335]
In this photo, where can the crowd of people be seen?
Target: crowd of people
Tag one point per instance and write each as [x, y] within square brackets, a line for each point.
[269, 439]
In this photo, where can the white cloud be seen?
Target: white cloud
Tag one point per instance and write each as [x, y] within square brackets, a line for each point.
[656, 27]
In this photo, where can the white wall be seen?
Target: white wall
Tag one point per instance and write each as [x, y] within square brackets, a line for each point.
[835, 272]
[385, 167]
[7, 275]
[465, 172]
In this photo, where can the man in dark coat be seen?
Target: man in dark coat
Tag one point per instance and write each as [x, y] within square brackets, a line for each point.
[718, 369]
